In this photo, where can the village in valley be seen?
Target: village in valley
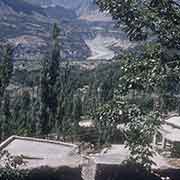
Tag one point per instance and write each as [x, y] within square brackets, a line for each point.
[32, 153]
[89, 90]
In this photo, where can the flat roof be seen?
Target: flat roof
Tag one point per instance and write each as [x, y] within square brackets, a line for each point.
[41, 152]
[117, 154]
[174, 121]
[170, 133]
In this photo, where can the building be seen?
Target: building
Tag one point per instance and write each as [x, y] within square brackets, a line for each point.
[38, 152]
[112, 159]
[168, 136]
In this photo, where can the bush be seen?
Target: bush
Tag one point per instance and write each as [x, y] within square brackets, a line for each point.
[43, 173]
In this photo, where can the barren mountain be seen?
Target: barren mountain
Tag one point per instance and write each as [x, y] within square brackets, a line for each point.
[28, 24]
[29, 27]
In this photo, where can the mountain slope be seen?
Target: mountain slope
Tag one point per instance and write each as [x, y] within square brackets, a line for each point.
[20, 6]
[28, 23]
[58, 12]
[85, 9]
[29, 28]
[40, 2]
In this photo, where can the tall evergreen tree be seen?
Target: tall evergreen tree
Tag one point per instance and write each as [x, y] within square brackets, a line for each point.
[107, 88]
[76, 112]
[6, 68]
[34, 114]
[54, 67]
[43, 119]
[66, 87]
[77, 108]
[55, 55]
[6, 117]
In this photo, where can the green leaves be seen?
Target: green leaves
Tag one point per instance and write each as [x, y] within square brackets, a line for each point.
[147, 72]
[150, 71]
[139, 133]
[145, 19]
[107, 117]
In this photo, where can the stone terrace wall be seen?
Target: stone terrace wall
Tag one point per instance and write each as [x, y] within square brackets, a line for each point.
[43, 173]
[115, 172]
[88, 170]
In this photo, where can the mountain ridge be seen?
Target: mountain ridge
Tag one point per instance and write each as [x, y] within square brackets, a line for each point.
[21, 6]
[30, 30]
[81, 24]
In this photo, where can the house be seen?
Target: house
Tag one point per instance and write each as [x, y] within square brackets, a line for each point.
[111, 159]
[36, 153]
[168, 136]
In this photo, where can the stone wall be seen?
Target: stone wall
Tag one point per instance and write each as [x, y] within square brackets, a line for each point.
[88, 169]
[43, 173]
[117, 172]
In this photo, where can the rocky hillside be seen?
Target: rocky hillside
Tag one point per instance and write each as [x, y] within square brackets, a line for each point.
[85, 9]
[28, 27]
[86, 33]
[19, 6]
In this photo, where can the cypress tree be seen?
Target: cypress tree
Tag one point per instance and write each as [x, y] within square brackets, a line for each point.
[65, 87]
[6, 117]
[76, 113]
[6, 68]
[43, 119]
[55, 56]
[54, 66]
[77, 109]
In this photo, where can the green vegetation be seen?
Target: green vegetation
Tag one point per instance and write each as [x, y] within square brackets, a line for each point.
[153, 70]
[136, 90]
[54, 98]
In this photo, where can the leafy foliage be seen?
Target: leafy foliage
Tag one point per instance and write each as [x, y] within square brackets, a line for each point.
[152, 70]
[142, 19]
[107, 117]
[141, 128]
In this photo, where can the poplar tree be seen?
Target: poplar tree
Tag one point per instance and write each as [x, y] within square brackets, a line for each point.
[76, 112]
[54, 66]
[6, 70]
[6, 117]
[64, 87]
[43, 124]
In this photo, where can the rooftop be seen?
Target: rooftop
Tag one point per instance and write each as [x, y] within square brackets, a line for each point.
[117, 154]
[174, 121]
[39, 152]
[171, 129]
[170, 133]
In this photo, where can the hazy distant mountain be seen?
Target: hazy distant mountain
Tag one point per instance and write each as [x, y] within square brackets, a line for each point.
[40, 2]
[19, 6]
[85, 32]
[29, 26]
[85, 9]
[59, 13]
[71, 4]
